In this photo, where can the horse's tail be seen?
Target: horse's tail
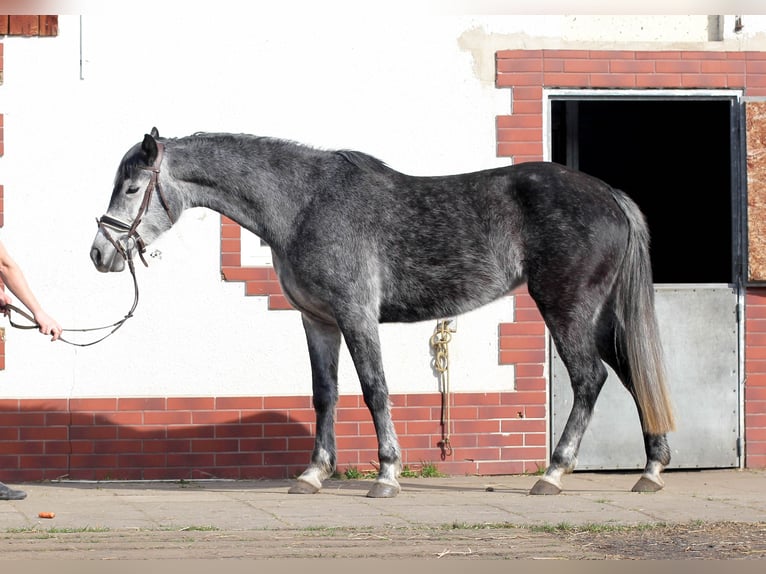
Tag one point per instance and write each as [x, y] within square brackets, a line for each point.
[637, 324]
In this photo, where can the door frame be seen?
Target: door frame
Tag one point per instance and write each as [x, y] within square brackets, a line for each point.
[738, 175]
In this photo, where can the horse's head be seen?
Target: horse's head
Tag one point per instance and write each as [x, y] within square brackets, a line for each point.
[136, 215]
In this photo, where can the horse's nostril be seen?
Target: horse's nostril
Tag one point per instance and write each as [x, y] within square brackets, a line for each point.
[95, 256]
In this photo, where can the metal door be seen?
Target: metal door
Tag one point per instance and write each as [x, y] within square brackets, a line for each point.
[700, 335]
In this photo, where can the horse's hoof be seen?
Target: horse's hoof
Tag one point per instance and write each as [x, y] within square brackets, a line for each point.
[302, 487]
[645, 484]
[544, 487]
[382, 490]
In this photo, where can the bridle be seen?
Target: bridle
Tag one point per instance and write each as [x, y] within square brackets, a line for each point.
[124, 245]
[131, 237]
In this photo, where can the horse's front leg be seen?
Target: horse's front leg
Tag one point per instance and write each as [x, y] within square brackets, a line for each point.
[324, 345]
[364, 345]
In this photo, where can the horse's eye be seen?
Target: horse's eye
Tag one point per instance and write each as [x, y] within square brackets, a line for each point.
[132, 190]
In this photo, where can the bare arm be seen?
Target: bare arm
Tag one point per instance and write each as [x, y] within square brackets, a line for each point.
[14, 279]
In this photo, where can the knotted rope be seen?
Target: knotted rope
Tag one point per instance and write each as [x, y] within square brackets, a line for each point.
[440, 343]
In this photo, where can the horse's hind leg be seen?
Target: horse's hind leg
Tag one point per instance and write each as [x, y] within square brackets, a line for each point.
[324, 345]
[655, 445]
[587, 375]
[657, 458]
[574, 336]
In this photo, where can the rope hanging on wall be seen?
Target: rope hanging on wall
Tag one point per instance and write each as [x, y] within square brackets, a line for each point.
[440, 343]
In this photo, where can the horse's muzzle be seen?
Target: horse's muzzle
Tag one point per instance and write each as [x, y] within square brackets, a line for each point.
[106, 262]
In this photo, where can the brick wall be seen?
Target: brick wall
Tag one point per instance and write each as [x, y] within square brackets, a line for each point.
[254, 437]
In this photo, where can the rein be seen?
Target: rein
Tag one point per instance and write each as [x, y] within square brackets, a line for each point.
[124, 245]
[114, 326]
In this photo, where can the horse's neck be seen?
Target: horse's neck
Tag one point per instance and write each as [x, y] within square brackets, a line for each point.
[244, 185]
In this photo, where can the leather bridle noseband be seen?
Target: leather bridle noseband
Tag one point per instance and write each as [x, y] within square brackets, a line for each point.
[124, 245]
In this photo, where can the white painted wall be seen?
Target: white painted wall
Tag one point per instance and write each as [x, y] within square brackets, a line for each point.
[415, 89]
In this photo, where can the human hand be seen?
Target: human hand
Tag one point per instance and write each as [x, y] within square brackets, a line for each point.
[5, 299]
[48, 325]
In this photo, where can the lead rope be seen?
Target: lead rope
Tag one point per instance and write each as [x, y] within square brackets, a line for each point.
[440, 343]
[7, 309]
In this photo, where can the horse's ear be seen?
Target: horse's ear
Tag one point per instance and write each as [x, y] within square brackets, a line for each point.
[155, 133]
[149, 147]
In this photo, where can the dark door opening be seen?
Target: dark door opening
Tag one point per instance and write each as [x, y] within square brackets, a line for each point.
[674, 158]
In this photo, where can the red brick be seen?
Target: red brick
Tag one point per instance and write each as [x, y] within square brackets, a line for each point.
[476, 398]
[531, 383]
[141, 404]
[117, 446]
[92, 432]
[526, 93]
[188, 460]
[231, 246]
[659, 55]
[528, 107]
[527, 328]
[531, 371]
[249, 403]
[93, 460]
[625, 81]
[230, 230]
[564, 80]
[753, 367]
[755, 435]
[631, 67]
[521, 342]
[166, 445]
[704, 81]
[553, 65]
[279, 303]
[523, 453]
[514, 357]
[167, 417]
[520, 54]
[677, 66]
[585, 65]
[189, 431]
[521, 148]
[95, 405]
[516, 65]
[145, 432]
[190, 403]
[248, 274]
[215, 445]
[568, 54]
[287, 403]
[421, 400]
[479, 426]
[535, 439]
[659, 81]
[43, 433]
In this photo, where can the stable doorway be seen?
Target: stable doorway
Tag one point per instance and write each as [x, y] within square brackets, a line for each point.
[677, 155]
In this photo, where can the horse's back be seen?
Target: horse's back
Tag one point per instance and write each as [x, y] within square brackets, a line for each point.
[440, 246]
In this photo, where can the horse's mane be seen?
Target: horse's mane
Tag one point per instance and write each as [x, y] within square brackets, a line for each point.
[356, 158]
